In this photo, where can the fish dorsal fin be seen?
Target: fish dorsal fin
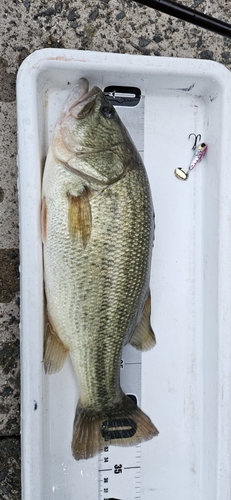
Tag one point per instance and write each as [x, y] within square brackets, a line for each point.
[143, 337]
[79, 216]
[55, 352]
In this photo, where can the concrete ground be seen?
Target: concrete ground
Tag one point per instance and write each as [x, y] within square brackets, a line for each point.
[102, 25]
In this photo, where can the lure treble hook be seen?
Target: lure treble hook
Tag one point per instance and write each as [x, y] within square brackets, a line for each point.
[197, 138]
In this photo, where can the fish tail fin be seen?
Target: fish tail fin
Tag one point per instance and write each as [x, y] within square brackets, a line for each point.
[125, 424]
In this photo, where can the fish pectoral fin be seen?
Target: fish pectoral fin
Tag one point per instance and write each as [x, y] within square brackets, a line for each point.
[125, 424]
[55, 352]
[143, 337]
[79, 216]
[44, 219]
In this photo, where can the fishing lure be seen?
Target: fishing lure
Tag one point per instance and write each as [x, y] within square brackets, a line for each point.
[199, 153]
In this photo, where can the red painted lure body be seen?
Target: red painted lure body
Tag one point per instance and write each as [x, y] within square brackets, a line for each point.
[199, 153]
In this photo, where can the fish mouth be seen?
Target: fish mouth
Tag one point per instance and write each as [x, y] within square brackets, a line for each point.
[82, 100]
[77, 100]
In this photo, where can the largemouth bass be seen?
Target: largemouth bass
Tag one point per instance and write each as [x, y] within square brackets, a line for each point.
[97, 231]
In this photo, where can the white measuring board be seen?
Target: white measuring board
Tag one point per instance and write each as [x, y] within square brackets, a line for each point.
[89, 472]
[120, 467]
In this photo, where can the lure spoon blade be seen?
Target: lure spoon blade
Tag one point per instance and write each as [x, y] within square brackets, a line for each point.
[181, 174]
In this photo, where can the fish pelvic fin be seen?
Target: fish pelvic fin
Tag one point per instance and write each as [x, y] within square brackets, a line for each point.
[79, 216]
[44, 219]
[143, 337]
[55, 352]
[123, 425]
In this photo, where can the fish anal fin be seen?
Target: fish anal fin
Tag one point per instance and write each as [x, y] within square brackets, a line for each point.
[79, 216]
[125, 424]
[143, 337]
[55, 352]
[44, 219]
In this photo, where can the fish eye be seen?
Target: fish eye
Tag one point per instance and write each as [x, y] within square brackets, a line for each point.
[107, 112]
[203, 144]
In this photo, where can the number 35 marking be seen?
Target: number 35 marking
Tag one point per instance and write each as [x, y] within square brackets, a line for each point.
[117, 469]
